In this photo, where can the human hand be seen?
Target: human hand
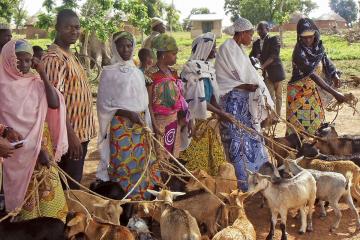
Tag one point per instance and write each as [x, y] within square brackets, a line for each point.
[250, 87]
[12, 135]
[44, 158]
[75, 150]
[135, 118]
[38, 65]
[6, 150]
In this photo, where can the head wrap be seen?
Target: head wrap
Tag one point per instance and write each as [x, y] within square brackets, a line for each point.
[116, 58]
[306, 59]
[4, 26]
[195, 72]
[156, 21]
[23, 46]
[164, 43]
[202, 46]
[240, 25]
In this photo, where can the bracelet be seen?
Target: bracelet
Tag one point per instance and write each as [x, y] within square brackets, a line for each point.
[6, 132]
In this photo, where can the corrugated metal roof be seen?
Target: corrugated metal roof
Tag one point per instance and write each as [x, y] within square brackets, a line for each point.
[205, 17]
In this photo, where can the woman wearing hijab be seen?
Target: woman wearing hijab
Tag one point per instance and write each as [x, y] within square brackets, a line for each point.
[312, 71]
[36, 109]
[201, 94]
[123, 113]
[168, 107]
[244, 95]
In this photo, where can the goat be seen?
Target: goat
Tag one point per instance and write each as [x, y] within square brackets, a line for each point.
[330, 143]
[45, 228]
[175, 224]
[291, 140]
[342, 167]
[241, 229]
[114, 191]
[104, 210]
[79, 223]
[295, 193]
[225, 181]
[330, 187]
[193, 202]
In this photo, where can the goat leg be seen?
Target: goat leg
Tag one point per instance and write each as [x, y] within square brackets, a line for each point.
[335, 206]
[351, 205]
[303, 220]
[322, 209]
[283, 231]
[273, 220]
[283, 215]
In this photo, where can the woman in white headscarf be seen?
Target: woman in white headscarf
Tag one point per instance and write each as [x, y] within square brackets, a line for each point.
[243, 94]
[201, 93]
[122, 106]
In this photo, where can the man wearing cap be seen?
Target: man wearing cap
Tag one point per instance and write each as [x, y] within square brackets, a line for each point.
[267, 50]
[5, 34]
[157, 27]
[244, 95]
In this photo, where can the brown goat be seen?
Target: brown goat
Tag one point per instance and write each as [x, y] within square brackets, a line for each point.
[79, 223]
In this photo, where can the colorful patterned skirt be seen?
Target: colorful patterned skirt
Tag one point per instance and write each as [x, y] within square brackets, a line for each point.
[129, 155]
[304, 107]
[243, 150]
[171, 140]
[205, 151]
[49, 199]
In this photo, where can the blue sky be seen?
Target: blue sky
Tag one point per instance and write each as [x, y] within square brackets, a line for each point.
[185, 7]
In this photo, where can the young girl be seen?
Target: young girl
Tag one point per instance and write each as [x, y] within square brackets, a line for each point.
[168, 107]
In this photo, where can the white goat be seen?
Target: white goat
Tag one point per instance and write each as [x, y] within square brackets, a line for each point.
[331, 186]
[175, 224]
[298, 192]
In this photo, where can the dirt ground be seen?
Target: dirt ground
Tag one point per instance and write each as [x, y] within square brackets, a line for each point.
[346, 123]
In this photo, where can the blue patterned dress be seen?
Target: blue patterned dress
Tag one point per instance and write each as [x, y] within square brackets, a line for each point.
[243, 150]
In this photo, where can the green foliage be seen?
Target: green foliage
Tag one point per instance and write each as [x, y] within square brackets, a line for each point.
[49, 5]
[268, 10]
[136, 11]
[69, 4]
[155, 8]
[45, 21]
[346, 9]
[7, 9]
[20, 13]
[95, 16]
[173, 18]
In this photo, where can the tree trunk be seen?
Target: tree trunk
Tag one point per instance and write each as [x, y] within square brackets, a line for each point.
[84, 51]
[281, 25]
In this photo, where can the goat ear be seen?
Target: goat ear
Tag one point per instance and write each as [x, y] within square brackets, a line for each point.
[269, 178]
[243, 195]
[76, 220]
[153, 192]
[177, 194]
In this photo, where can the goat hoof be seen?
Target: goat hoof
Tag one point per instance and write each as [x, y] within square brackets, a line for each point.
[301, 232]
[284, 237]
[310, 229]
